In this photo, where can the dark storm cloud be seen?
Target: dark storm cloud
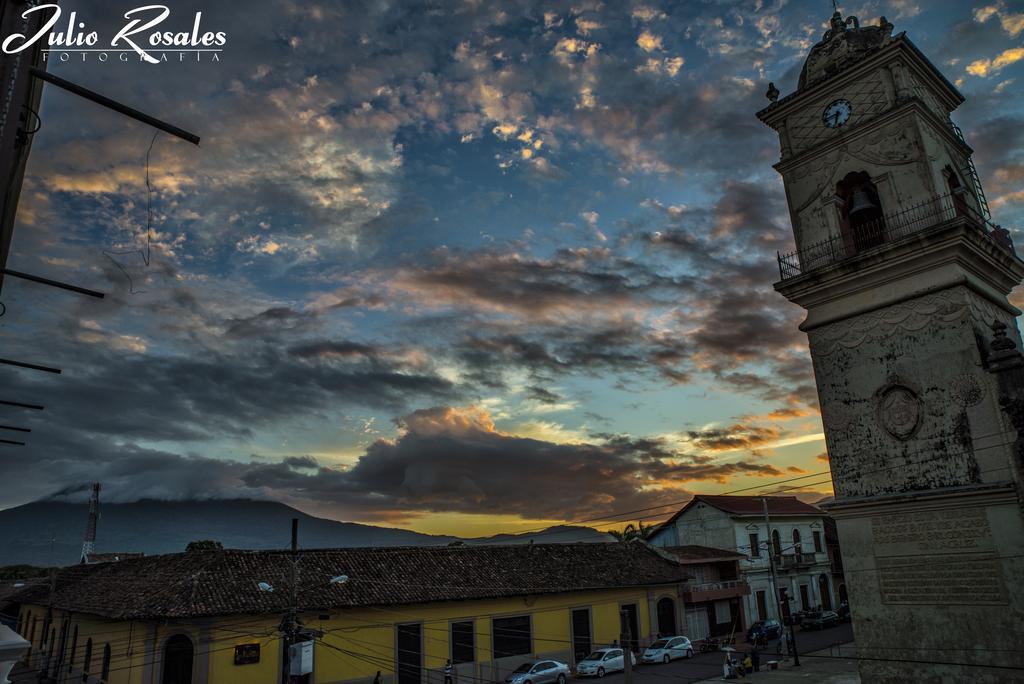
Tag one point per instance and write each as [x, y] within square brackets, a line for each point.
[213, 395]
[539, 394]
[448, 460]
[573, 280]
[734, 437]
[579, 349]
[998, 142]
[328, 348]
[269, 321]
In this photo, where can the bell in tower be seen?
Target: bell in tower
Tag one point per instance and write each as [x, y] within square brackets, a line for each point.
[862, 203]
[904, 278]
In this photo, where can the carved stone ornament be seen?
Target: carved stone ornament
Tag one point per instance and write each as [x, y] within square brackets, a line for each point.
[912, 316]
[839, 417]
[966, 390]
[890, 146]
[842, 46]
[899, 410]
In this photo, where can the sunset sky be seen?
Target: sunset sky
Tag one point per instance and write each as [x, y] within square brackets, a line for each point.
[465, 267]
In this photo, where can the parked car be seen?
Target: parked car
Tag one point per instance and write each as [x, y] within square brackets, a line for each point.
[666, 649]
[770, 629]
[539, 672]
[602, 661]
[820, 620]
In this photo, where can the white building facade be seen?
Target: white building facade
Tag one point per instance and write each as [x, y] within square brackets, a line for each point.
[792, 537]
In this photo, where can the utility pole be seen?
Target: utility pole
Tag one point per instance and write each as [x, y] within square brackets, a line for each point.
[775, 584]
[89, 542]
[289, 625]
[626, 639]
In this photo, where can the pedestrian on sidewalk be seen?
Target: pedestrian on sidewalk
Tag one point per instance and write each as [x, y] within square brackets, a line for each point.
[755, 659]
[448, 671]
[783, 648]
[376, 678]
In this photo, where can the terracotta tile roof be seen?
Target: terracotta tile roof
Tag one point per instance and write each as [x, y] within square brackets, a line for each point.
[692, 554]
[113, 557]
[11, 587]
[745, 505]
[751, 505]
[225, 582]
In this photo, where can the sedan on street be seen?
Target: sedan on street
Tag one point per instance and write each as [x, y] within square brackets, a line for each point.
[825, 618]
[539, 672]
[602, 661]
[666, 649]
[770, 629]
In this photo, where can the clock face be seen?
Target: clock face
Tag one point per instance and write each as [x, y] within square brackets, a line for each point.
[837, 113]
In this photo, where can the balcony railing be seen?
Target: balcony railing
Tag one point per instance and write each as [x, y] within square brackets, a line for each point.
[713, 591]
[716, 586]
[793, 560]
[886, 229]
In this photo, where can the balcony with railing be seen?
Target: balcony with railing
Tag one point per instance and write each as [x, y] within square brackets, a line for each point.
[795, 560]
[890, 228]
[714, 591]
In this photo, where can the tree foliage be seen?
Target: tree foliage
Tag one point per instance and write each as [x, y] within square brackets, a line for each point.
[631, 532]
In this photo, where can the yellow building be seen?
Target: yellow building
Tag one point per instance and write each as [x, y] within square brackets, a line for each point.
[218, 616]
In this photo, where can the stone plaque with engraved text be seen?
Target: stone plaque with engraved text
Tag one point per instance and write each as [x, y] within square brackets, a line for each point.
[937, 557]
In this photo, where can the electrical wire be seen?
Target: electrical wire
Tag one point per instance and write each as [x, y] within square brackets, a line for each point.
[145, 254]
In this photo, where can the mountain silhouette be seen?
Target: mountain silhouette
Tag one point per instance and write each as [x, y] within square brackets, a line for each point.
[48, 533]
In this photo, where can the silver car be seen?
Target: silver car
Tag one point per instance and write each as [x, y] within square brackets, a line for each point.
[539, 672]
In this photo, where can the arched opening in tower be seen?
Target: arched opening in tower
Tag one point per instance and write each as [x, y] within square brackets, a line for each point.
[860, 213]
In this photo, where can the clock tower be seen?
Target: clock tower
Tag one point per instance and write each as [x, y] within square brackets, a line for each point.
[904, 277]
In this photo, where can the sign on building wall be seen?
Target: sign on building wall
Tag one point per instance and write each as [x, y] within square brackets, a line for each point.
[247, 654]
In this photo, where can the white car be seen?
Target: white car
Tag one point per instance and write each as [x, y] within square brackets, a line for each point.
[666, 649]
[602, 661]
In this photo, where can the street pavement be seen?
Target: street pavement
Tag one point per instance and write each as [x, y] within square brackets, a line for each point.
[709, 665]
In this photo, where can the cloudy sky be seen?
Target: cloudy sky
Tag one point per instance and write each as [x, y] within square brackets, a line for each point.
[464, 267]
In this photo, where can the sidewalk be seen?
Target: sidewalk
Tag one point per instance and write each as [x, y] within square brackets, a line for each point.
[834, 669]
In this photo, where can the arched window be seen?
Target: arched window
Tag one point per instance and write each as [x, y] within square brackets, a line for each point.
[797, 548]
[825, 592]
[956, 191]
[105, 667]
[74, 649]
[178, 654]
[49, 652]
[860, 213]
[87, 660]
[776, 543]
[666, 616]
[62, 649]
